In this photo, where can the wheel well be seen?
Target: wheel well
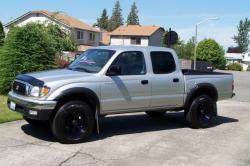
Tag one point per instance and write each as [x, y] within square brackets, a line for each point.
[210, 91]
[89, 99]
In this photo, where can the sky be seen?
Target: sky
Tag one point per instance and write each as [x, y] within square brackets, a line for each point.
[179, 15]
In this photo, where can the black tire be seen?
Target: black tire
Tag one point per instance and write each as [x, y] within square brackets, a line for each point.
[33, 122]
[201, 112]
[155, 113]
[74, 122]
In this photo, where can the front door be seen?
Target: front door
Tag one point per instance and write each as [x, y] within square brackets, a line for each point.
[130, 90]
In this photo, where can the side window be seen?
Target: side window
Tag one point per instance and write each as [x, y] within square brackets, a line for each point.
[131, 63]
[162, 62]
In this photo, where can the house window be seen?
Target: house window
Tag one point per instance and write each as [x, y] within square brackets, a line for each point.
[80, 35]
[37, 14]
[92, 36]
[136, 40]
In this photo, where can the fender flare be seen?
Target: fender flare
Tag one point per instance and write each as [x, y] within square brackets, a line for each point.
[80, 90]
[199, 89]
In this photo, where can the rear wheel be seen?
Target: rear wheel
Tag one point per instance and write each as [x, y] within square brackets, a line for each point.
[201, 112]
[155, 113]
[74, 122]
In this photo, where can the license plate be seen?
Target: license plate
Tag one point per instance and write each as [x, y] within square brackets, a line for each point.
[12, 105]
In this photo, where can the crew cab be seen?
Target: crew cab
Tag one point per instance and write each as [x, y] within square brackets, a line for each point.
[113, 80]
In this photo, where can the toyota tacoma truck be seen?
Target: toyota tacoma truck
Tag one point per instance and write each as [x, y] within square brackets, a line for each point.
[113, 80]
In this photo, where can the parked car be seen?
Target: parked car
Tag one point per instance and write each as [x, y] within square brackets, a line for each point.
[113, 80]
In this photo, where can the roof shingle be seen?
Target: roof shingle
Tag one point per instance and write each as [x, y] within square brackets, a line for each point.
[135, 30]
[68, 20]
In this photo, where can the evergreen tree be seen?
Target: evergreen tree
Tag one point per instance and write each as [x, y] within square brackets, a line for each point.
[242, 38]
[2, 35]
[103, 21]
[133, 18]
[116, 19]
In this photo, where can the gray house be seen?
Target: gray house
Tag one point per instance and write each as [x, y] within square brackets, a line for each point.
[137, 35]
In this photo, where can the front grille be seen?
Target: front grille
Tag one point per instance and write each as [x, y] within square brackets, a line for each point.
[19, 88]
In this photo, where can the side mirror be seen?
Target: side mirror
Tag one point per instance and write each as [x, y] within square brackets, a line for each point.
[114, 70]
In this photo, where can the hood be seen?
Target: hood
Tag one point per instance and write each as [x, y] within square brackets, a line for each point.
[58, 75]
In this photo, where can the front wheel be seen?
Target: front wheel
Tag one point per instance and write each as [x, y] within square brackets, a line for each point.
[201, 112]
[73, 122]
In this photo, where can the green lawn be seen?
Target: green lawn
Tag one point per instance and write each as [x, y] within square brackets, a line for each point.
[7, 115]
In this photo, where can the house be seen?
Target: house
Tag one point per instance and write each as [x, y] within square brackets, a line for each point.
[233, 57]
[137, 35]
[246, 58]
[85, 35]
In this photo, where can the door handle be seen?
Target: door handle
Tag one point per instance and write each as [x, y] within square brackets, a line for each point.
[143, 82]
[176, 80]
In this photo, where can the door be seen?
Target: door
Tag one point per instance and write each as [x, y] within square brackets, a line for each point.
[129, 90]
[167, 81]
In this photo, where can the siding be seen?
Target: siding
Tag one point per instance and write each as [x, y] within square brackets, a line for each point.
[126, 40]
[156, 38]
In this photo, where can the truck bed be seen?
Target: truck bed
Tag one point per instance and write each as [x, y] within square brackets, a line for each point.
[222, 81]
[197, 72]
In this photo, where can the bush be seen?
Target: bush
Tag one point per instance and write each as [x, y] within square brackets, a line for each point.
[26, 49]
[209, 50]
[248, 68]
[235, 66]
[30, 48]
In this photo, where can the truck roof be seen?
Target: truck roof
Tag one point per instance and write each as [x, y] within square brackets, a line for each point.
[127, 48]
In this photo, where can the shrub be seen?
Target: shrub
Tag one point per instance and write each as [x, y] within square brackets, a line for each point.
[209, 50]
[30, 48]
[248, 68]
[26, 49]
[235, 66]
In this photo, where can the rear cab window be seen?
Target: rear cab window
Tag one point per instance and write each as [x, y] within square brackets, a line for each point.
[162, 62]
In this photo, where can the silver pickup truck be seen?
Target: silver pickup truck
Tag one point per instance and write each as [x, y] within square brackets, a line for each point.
[113, 80]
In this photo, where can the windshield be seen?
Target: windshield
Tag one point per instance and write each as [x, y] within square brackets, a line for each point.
[91, 61]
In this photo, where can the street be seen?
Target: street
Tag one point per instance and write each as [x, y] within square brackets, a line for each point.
[136, 139]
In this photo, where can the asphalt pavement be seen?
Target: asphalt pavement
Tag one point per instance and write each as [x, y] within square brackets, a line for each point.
[136, 139]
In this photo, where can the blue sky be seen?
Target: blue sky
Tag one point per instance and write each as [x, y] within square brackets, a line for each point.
[180, 15]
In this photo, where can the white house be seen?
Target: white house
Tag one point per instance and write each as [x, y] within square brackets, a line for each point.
[233, 57]
[246, 58]
[85, 35]
[137, 35]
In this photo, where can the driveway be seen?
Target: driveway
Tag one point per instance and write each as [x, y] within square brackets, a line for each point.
[140, 140]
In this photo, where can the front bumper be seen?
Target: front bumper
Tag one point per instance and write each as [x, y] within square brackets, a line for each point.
[27, 106]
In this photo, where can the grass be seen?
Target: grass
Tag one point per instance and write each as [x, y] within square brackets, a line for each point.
[7, 115]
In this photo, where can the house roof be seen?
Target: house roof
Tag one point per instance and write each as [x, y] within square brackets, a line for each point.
[61, 18]
[135, 30]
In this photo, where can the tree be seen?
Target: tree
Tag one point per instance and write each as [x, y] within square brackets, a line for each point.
[133, 18]
[103, 21]
[209, 50]
[2, 35]
[242, 38]
[185, 50]
[30, 48]
[63, 41]
[116, 19]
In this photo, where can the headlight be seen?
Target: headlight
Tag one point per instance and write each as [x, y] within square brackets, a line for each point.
[39, 91]
[35, 91]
